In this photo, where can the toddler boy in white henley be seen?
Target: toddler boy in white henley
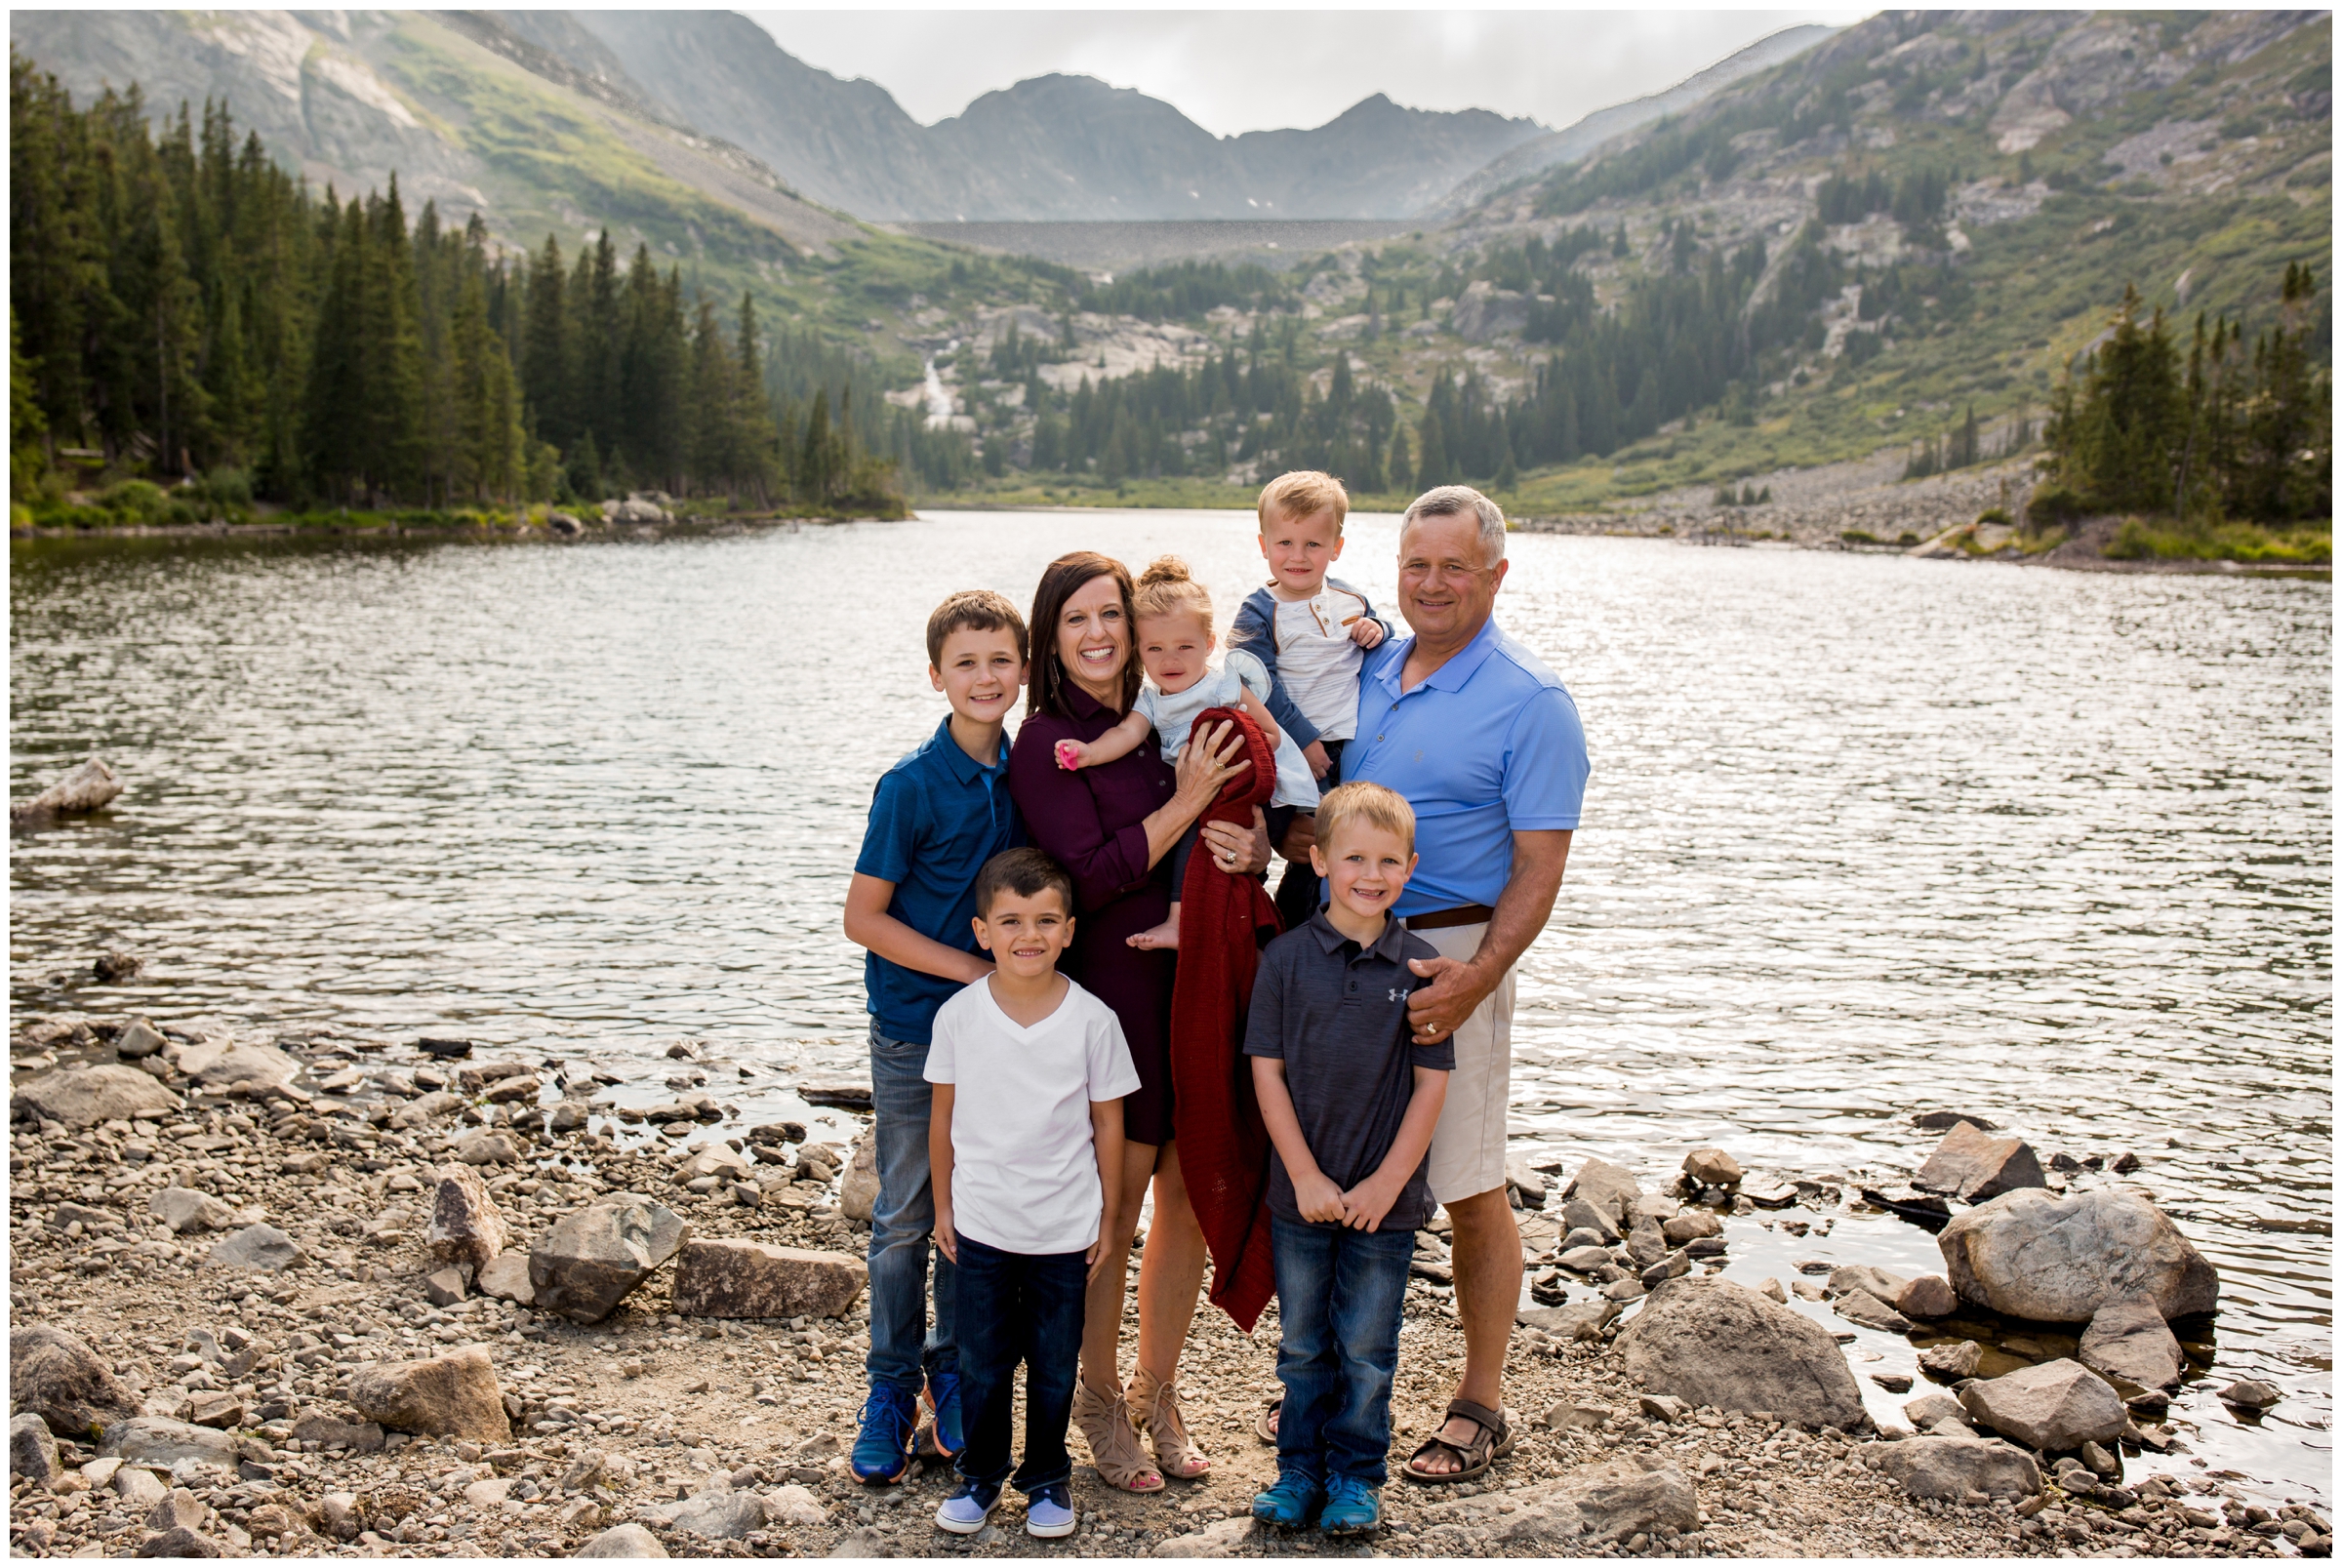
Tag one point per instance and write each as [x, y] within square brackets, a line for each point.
[1026, 1176]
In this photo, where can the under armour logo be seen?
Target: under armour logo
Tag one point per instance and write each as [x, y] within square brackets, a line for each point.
[1398, 993]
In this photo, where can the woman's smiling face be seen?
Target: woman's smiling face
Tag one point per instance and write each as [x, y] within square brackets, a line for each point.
[1093, 640]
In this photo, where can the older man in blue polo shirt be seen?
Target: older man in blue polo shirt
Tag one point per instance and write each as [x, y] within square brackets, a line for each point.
[1484, 742]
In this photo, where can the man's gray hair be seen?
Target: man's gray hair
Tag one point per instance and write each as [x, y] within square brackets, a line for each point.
[1455, 500]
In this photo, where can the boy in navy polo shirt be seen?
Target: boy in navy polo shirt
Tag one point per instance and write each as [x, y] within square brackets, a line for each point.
[1349, 1103]
[936, 817]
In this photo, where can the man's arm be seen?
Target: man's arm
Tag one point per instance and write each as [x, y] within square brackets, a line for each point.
[939, 1167]
[869, 924]
[1458, 985]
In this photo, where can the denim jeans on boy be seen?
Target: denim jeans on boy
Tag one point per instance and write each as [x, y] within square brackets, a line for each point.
[1338, 1294]
[1015, 1307]
[901, 1225]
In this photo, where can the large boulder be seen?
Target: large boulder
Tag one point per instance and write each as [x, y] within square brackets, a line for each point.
[2129, 1340]
[2057, 1260]
[465, 1226]
[2055, 1407]
[83, 1097]
[585, 1266]
[1951, 1467]
[33, 1450]
[255, 1246]
[1973, 1166]
[1710, 1341]
[58, 1378]
[452, 1395]
[1611, 1501]
[160, 1441]
[750, 1279]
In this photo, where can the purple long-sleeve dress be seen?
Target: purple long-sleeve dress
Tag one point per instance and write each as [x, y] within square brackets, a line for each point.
[1092, 820]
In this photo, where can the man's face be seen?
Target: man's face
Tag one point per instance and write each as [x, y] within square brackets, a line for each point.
[1445, 590]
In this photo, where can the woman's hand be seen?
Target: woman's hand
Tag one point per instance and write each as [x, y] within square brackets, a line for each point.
[1236, 850]
[1208, 762]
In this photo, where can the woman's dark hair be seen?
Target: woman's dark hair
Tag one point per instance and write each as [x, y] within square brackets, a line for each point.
[1061, 579]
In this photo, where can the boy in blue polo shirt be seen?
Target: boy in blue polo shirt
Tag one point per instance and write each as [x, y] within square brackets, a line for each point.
[936, 817]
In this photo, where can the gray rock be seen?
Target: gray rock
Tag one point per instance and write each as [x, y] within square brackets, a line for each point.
[359, 1437]
[255, 1246]
[181, 1543]
[750, 1279]
[1606, 1187]
[2251, 1394]
[1930, 1296]
[622, 1540]
[1568, 1415]
[485, 1147]
[1951, 1467]
[452, 1395]
[1585, 1259]
[2129, 1340]
[2057, 1260]
[720, 1513]
[1611, 1501]
[1929, 1408]
[33, 1450]
[1864, 1277]
[424, 1110]
[1580, 1215]
[138, 1488]
[1953, 1361]
[1772, 1288]
[83, 1097]
[505, 1277]
[159, 1441]
[1692, 1226]
[444, 1287]
[58, 1378]
[1974, 1166]
[1712, 1167]
[1582, 1237]
[1221, 1539]
[1940, 1121]
[221, 1062]
[1526, 1182]
[1711, 1342]
[138, 1040]
[2107, 1467]
[792, 1507]
[1578, 1320]
[868, 1542]
[184, 1209]
[1664, 1407]
[585, 1266]
[180, 1510]
[1863, 1308]
[465, 1226]
[1646, 1243]
[567, 1116]
[858, 1194]
[2054, 1407]
[1625, 1290]
[716, 1160]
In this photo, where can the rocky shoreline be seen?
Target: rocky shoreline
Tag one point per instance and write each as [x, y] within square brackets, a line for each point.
[331, 1295]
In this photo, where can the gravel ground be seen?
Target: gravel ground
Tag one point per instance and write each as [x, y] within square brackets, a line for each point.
[617, 1419]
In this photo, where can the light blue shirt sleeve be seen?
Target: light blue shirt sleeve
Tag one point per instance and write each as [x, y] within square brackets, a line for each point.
[1250, 673]
[1546, 765]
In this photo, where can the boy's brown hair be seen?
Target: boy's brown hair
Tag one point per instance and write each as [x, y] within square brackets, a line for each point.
[974, 610]
[1303, 493]
[1023, 872]
[1372, 804]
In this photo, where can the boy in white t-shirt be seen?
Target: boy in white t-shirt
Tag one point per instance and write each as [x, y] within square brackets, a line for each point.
[1025, 1143]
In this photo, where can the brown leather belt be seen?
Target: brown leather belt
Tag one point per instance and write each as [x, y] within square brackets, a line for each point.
[1468, 914]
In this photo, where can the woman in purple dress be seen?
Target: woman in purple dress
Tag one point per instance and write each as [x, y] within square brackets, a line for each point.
[1112, 826]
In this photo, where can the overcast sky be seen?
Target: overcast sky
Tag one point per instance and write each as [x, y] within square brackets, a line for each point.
[1251, 71]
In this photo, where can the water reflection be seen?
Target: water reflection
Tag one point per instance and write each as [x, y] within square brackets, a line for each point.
[1866, 836]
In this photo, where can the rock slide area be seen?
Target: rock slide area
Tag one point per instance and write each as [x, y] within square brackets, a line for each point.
[324, 1296]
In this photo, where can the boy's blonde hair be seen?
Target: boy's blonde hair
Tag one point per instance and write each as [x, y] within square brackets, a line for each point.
[1305, 493]
[1373, 804]
[1166, 589]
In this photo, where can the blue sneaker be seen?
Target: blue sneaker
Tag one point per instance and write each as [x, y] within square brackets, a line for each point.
[1352, 1507]
[964, 1511]
[882, 1448]
[1292, 1503]
[940, 1437]
[1049, 1513]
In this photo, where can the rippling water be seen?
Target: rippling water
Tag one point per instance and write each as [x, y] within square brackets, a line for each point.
[1866, 836]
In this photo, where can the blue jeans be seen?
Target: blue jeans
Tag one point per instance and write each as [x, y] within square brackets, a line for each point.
[1019, 1308]
[1340, 1293]
[903, 1225]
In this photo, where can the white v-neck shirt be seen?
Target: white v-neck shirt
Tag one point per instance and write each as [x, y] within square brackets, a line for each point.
[1023, 1165]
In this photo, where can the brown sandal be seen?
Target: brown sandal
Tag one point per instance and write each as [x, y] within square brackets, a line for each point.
[1264, 1424]
[1114, 1451]
[1155, 1411]
[1492, 1442]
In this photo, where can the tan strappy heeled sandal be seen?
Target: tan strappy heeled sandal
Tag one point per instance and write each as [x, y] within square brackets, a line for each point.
[1115, 1450]
[1155, 1411]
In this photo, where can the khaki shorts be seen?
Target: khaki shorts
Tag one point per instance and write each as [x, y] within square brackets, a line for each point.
[1467, 1146]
